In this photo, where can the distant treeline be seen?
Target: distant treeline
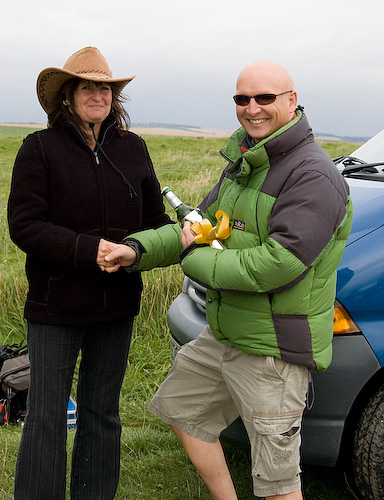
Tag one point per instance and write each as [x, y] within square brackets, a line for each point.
[166, 125]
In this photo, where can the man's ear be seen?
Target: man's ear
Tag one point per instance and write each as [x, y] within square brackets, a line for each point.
[293, 100]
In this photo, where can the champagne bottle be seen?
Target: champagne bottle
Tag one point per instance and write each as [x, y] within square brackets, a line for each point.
[185, 213]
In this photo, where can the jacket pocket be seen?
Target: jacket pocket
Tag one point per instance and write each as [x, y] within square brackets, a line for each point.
[75, 293]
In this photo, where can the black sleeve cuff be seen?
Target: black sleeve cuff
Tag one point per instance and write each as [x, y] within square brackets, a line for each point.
[138, 248]
[190, 249]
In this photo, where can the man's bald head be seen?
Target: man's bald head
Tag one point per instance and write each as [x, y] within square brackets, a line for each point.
[267, 73]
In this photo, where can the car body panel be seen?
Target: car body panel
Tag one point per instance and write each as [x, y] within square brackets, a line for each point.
[368, 199]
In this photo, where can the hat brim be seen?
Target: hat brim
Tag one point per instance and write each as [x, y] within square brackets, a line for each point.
[50, 81]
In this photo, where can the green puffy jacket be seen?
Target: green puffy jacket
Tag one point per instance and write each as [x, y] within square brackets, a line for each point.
[272, 290]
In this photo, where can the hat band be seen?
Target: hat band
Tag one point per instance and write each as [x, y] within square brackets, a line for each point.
[97, 71]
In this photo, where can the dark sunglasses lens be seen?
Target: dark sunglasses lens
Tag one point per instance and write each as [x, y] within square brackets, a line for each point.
[265, 99]
[241, 100]
[262, 99]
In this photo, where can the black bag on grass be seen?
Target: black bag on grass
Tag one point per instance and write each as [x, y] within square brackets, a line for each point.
[14, 382]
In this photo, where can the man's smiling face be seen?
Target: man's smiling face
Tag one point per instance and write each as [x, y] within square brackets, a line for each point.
[264, 77]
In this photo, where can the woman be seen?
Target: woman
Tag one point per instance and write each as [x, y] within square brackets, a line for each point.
[77, 187]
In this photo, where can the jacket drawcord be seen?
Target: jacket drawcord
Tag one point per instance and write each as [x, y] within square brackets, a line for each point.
[132, 191]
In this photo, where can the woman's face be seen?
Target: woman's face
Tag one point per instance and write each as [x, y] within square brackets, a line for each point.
[92, 101]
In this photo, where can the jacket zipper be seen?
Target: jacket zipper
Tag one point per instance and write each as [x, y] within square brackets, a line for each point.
[95, 153]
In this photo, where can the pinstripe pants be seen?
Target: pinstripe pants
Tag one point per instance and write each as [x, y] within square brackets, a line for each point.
[41, 462]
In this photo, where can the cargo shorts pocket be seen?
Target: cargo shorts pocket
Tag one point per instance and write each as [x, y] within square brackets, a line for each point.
[276, 447]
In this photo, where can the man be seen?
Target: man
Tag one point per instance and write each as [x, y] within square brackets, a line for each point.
[270, 292]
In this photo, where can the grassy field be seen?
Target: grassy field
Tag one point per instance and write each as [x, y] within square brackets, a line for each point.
[153, 465]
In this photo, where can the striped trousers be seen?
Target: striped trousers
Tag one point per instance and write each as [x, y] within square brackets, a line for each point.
[42, 457]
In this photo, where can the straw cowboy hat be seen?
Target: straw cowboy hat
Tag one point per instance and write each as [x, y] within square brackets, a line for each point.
[87, 63]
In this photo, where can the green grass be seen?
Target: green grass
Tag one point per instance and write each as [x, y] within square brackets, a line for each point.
[153, 464]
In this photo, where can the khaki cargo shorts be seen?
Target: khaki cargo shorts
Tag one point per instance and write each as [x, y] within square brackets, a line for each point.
[211, 384]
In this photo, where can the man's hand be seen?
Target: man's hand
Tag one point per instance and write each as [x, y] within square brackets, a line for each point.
[187, 235]
[112, 256]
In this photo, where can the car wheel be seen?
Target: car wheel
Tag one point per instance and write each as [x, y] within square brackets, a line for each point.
[368, 456]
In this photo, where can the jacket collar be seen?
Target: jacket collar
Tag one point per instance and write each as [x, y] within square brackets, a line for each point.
[107, 128]
[281, 141]
[261, 154]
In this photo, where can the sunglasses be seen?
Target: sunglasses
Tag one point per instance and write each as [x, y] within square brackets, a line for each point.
[261, 99]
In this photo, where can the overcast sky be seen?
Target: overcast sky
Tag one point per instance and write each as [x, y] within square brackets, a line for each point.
[187, 55]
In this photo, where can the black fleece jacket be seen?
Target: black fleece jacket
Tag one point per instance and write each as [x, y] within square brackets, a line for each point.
[64, 198]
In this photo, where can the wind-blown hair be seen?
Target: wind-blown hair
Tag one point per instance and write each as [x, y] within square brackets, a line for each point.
[66, 94]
